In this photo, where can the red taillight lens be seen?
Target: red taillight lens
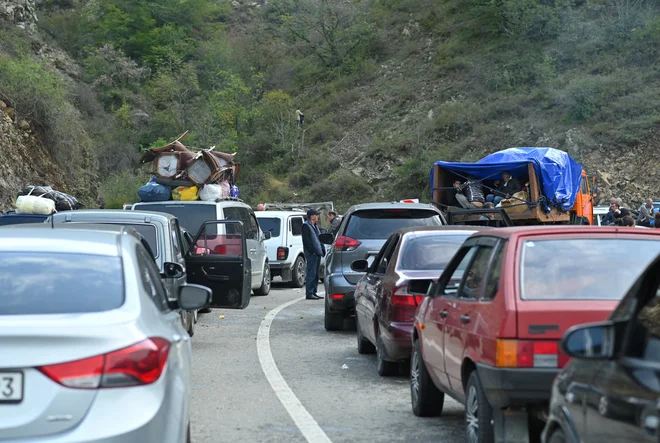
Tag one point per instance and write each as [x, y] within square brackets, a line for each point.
[140, 364]
[529, 354]
[81, 374]
[337, 296]
[343, 243]
[282, 253]
[404, 304]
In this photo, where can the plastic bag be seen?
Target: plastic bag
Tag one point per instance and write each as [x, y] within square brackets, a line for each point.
[153, 192]
[234, 191]
[185, 193]
[63, 201]
[30, 204]
[213, 192]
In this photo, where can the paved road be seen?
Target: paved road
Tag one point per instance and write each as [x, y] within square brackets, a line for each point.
[233, 400]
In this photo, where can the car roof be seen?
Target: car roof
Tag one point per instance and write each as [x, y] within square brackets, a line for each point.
[39, 238]
[267, 214]
[391, 205]
[528, 231]
[113, 214]
[227, 202]
[444, 228]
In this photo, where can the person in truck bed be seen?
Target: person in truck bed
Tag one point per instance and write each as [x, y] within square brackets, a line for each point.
[505, 189]
[470, 194]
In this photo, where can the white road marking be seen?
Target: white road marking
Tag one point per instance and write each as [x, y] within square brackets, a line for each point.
[309, 428]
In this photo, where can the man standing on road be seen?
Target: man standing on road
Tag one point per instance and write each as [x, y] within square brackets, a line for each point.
[334, 222]
[314, 251]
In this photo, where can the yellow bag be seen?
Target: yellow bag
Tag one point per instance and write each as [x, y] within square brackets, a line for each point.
[186, 193]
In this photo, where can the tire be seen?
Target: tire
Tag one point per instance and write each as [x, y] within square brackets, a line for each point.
[364, 346]
[426, 399]
[205, 310]
[478, 413]
[196, 315]
[557, 436]
[299, 272]
[264, 289]
[188, 435]
[385, 368]
[333, 321]
[191, 330]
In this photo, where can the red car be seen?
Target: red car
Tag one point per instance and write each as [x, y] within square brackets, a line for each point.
[488, 333]
[384, 304]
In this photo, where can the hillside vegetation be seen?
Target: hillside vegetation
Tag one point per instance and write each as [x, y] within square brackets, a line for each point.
[387, 87]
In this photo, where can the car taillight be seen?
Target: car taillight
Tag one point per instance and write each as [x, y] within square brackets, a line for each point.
[282, 253]
[404, 304]
[529, 354]
[337, 296]
[343, 243]
[139, 364]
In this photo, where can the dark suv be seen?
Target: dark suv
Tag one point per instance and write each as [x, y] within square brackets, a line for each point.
[363, 231]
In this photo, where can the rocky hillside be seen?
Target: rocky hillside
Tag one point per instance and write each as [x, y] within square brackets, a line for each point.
[386, 86]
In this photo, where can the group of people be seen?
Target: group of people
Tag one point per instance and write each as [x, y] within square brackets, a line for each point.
[470, 194]
[618, 215]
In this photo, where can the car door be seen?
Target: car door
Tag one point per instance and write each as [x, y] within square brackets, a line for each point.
[434, 334]
[254, 234]
[627, 388]
[461, 313]
[241, 214]
[379, 296]
[177, 251]
[218, 259]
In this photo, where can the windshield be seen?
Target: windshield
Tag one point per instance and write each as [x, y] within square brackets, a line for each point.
[583, 269]
[191, 217]
[58, 283]
[430, 252]
[270, 224]
[381, 223]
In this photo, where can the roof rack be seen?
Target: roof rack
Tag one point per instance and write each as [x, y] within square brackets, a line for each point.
[322, 206]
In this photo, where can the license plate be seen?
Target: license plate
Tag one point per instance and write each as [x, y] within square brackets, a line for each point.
[11, 387]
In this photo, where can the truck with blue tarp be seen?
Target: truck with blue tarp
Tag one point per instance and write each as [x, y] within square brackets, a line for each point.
[554, 187]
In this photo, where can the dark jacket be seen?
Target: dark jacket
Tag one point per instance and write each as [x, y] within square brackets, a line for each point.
[473, 191]
[334, 224]
[311, 243]
[510, 188]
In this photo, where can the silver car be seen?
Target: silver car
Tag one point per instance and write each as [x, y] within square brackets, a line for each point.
[92, 349]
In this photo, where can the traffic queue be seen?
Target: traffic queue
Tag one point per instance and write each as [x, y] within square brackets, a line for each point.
[548, 331]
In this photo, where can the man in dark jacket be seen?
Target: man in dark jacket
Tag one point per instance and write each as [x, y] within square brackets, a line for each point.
[314, 251]
[334, 221]
[505, 189]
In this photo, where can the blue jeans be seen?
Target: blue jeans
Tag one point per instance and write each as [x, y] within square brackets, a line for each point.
[312, 275]
[494, 199]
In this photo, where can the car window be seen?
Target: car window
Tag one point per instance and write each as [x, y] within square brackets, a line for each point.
[379, 257]
[387, 255]
[474, 276]
[151, 280]
[493, 279]
[451, 289]
[644, 338]
[185, 242]
[583, 186]
[430, 251]
[296, 226]
[191, 216]
[381, 223]
[242, 215]
[147, 231]
[176, 239]
[252, 227]
[598, 268]
[59, 283]
[271, 224]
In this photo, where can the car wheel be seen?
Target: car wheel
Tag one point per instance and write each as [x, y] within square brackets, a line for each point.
[299, 272]
[385, 368]
[557, 436]
[195, 316]
[426, 399]
[364, 346]
[332, 321]
[264, 289]
[205, 310]
[478, 413]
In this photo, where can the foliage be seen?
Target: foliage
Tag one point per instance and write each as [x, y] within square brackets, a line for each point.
[121, 188]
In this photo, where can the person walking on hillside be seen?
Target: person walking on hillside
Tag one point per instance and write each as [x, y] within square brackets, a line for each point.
[314, 251]
[300, 117]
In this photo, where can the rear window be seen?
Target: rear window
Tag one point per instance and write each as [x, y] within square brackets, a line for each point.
[583, 269]
[191, 217]
[21, 219]
[430, 252]
[57, 283]
[270, 224]
[381, 223]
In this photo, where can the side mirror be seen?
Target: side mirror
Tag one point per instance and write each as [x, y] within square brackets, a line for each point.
[192, 297]
[326, 238]
[173, 270]
[360, 266]
[594, 341]
[268, 235]
[419, 286]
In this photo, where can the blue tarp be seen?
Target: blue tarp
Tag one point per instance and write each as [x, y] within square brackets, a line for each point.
[557, 173]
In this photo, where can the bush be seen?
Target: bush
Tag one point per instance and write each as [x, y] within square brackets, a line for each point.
[121, 188]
